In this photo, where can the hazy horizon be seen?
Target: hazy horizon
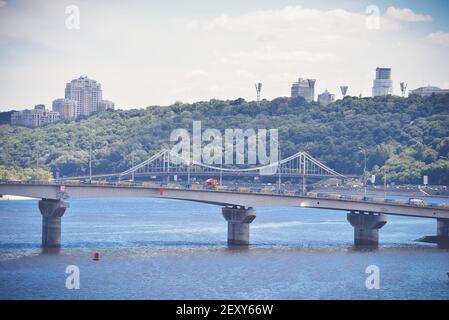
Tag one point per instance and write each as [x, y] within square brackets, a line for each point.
[148, 53]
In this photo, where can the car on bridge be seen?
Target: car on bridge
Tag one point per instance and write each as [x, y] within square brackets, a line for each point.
[212, 183]
[416, 202]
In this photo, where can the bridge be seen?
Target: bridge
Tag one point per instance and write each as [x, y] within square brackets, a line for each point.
[166, 164]
[367, 216]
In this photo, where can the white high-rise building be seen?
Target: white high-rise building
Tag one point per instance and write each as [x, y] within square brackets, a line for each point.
[382, 85]
[36, 117]
[304, 88]
[67, 108]
[86, 92]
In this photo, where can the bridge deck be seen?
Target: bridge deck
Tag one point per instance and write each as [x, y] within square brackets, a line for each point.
[222, 198]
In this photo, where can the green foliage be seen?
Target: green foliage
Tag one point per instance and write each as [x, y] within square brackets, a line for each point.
[403, 137]
[13, 173]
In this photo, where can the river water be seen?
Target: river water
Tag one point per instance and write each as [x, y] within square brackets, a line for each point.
[167, 249]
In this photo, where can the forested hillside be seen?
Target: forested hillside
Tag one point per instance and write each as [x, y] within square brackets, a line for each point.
[404, 137]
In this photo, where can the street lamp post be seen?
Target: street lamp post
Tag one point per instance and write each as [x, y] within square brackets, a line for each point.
[364, 168]
[37, 159]
[188, 173]
[132, 166]
[304, 187]
[221, 167]
[221, 173]
[90, 164]
[279, 170]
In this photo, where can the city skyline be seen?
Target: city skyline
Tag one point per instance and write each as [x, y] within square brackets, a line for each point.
[83, 97]
[218, 53]
[70, 109]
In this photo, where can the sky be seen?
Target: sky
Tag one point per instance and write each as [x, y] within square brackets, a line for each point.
[159, 52]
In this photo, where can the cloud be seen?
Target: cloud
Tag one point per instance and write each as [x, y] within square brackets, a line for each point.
[407, 15]
[196, 74]
[3, 3]
[190, 57]
[439, 38]
[288, 56]
[284, 20]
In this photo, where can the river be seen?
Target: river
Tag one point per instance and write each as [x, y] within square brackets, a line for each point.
[167, 249]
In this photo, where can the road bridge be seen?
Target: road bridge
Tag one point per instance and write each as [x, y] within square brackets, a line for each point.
[239, 208]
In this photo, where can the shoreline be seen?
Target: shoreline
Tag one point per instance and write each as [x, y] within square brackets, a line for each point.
[7, 197]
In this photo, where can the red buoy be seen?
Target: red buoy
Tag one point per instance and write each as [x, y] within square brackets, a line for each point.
[161, 191]
[96, 256]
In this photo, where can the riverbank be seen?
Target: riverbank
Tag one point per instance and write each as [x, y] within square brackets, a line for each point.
[6, 197]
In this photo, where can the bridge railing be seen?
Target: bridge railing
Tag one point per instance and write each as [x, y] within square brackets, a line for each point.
[240, 189]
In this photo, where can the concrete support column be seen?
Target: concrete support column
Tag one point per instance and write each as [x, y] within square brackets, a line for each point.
[52, 211]
[443, 233]
[366, 227]
[442, 237]
[238, 219]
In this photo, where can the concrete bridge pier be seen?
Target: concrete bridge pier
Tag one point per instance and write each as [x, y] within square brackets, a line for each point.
[366, 227]
[442, 237]
[52, 211]
[238, 219]
[443, 233]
